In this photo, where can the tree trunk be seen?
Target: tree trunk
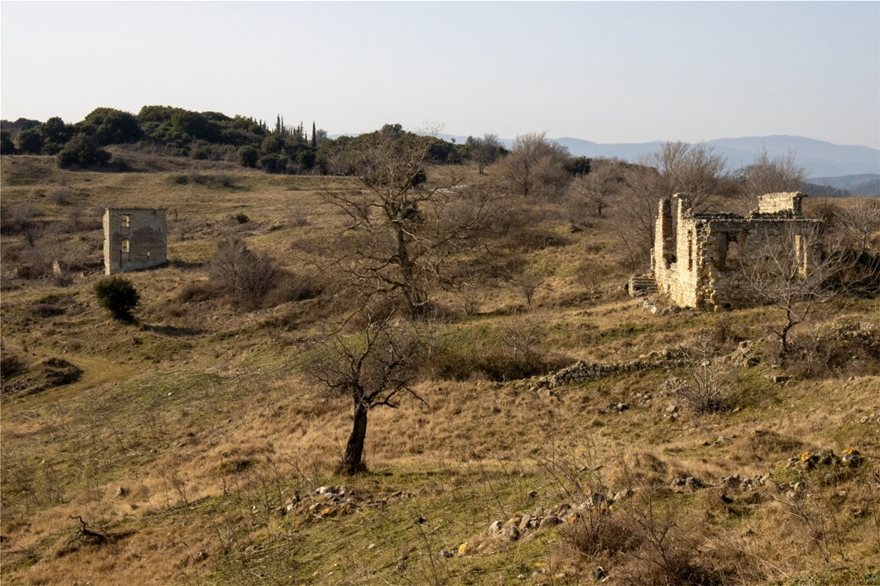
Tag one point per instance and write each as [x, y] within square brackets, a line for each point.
[352, 462]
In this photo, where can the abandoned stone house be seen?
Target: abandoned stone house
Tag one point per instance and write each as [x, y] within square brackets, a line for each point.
[698, 259]
[134, 239]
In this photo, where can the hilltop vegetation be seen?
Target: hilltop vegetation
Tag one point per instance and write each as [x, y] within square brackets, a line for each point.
[548, 429]
[170, 131]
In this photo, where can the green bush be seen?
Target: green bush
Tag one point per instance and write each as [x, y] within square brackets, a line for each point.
[111, 126]
[7, 147]
[30, 141]
[118, 296]
[248, 156]
[82, 151]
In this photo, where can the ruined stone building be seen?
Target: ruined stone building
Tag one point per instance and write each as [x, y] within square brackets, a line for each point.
[134, 239]
[698, 258]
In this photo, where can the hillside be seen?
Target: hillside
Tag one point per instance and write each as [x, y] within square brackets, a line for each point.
[819, 158]
[197, 449]
[866, 184]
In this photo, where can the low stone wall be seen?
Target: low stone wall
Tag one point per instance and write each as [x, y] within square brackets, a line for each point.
[583, 371]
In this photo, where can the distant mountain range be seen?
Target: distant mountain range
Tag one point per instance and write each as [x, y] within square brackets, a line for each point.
[821, 159]
[864, 184]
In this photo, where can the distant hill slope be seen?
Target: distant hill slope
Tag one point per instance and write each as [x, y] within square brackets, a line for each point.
[820, 158]
[863, 184]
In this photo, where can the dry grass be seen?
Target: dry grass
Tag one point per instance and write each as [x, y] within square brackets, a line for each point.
[186, 433]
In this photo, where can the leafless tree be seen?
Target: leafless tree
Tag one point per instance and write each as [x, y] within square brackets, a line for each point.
[636, 212]
[857, 224]
[792, 274]
[678, 167]
[769, 175]
[535, 166]
[403, 232]
[597, 188]
[375, 369]
[244, 275]
[695, 169]
[484, 151]
[528, 284]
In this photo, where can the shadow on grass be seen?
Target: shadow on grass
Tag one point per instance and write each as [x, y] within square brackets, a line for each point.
[171, 331]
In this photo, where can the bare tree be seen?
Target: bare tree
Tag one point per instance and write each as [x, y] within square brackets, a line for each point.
[597, 188]
[769, 175]
[695, 169]
[792, 274]
[484, 151]
[677, 167]
[536, 166]
[402, 231]
[244, 275]
[856, 224]
[528, 284]
[374, 369]
[636, 212]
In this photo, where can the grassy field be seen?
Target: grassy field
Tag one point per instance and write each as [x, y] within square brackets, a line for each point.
[198, 451]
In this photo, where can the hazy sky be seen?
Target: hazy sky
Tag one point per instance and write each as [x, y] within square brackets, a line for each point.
[608, 72]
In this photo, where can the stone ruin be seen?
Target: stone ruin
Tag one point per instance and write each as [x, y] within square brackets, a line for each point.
[698, 258]
[134, 239]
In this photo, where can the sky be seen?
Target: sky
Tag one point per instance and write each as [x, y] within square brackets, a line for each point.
[606, 72]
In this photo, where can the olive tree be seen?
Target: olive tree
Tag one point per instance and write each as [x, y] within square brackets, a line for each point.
[375, 368]
[793, 273]
[402, 232]
[484, 151]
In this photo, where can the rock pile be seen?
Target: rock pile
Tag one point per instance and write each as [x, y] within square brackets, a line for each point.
[583, 371]
[333, 501]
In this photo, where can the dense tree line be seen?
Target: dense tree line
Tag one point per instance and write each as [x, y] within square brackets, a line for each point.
[211, 135]
[166, 130]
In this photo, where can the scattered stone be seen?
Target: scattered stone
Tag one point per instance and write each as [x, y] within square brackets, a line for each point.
[549, 521]
[463, 549]
[511, 533]
[495, 527]
[121, 491]
[688, 482]
[599, 573]
[447, 553]
[851, 458]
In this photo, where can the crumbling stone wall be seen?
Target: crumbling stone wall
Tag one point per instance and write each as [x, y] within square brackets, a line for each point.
[134, 239]
[697, 259]
[787, 205]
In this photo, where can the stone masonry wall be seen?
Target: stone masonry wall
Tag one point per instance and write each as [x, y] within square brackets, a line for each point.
[785, 203]
[134, 239]
[697, 259]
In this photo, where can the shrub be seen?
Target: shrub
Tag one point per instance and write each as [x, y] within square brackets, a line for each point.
[7, 147]
[242, 218]
[243, 275]
[30, 141]
[455, 359]
[82, 151]
[10, 365]
[118, 296]
[248, 156]
[111, 126]
[197, 292]
[602, 531]
[707, 389]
